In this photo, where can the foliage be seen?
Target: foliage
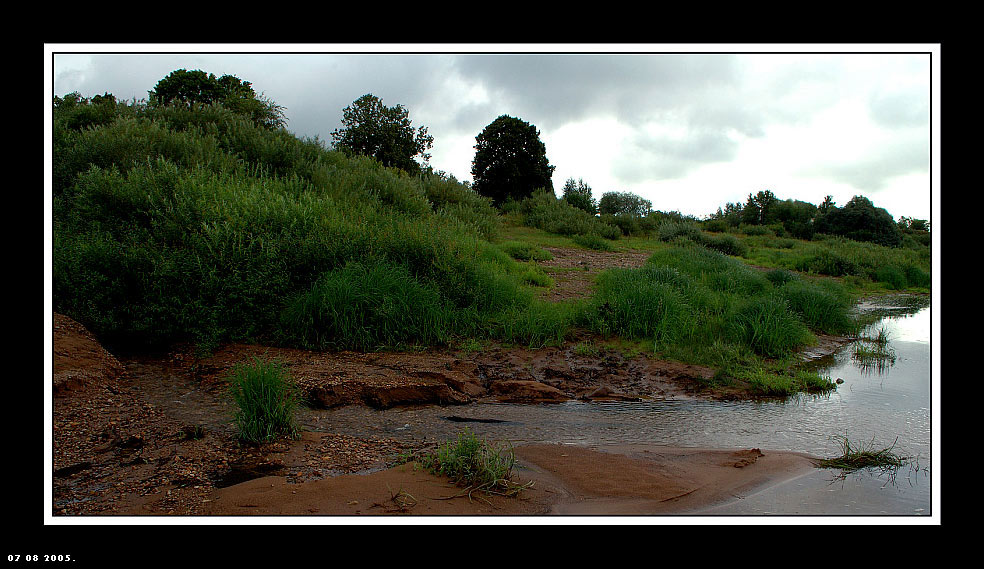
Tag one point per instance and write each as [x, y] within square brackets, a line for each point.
[195, 224]
[525, 251]
[864, 455]
[578, 194]
[475, 464]
[510, 161]
[265, 398]
[190, 88]
[545, 211]
[593, 241]
[624, 202]
[860, 220]
[370, 128]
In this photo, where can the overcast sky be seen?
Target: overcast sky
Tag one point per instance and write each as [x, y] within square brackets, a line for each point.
[688, 131]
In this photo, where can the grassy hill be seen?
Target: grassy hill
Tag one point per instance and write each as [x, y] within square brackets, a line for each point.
[180, 225]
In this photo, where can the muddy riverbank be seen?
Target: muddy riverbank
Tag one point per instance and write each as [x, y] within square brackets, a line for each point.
[152, 436]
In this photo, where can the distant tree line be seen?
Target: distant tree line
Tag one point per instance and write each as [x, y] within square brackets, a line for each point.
[859, 219]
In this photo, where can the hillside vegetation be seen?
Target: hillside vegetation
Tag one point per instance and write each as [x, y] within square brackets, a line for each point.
[198, 224]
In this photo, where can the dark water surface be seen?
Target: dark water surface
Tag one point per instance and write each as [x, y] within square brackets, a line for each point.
[878, 405]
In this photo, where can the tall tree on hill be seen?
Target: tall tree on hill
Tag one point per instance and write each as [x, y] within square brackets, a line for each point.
[384, 133]
[189, 88]
[510, 161]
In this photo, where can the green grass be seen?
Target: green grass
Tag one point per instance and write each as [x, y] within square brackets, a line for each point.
[475, 464]
[523, 251]
[265, 399]
[864, 455]
[593, 241]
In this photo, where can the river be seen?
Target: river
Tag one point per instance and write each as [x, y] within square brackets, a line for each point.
[880, 404]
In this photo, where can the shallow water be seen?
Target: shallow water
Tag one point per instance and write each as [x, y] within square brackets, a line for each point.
[876, 406]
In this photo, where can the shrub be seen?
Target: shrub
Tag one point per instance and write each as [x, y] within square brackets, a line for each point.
[918, 277]
[265, 398]
[824, 261]
[592, 241]
[892, 276]
[727, 244]
[544, 211]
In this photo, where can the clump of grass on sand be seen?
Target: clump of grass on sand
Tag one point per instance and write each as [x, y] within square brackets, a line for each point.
[857, 457]
[474, 464]
[265, 397]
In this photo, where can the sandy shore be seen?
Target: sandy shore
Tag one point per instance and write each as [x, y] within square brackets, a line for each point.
[566, 480]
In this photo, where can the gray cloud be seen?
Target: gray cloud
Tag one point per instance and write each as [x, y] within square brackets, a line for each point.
[900, 109]
[551, 89]
[872, 172]
[649, 158]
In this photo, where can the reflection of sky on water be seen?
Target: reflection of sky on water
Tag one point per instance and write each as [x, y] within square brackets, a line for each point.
[909, 327]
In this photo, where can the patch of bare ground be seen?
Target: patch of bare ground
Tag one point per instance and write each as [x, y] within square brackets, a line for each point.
[575, 269]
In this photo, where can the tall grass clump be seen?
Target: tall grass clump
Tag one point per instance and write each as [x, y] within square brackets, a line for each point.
[821, 309]
[650, 303]
[768, 326]
[265, 399]
[368, 306]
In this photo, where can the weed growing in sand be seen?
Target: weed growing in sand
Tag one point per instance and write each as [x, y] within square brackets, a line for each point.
[474, 464]
[265, 397]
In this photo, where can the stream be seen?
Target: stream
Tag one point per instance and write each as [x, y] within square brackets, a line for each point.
[881, 403]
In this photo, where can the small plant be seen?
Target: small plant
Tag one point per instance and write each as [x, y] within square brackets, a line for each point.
[857, 457]
[474, 464]
[265, 397]
[587, 350]
[874, 351]
[536, 277]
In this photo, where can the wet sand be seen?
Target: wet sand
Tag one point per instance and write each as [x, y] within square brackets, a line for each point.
[635, 480]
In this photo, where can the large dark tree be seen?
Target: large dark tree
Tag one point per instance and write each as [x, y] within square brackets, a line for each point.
[510, 161]
[384, 133]
[189, 88]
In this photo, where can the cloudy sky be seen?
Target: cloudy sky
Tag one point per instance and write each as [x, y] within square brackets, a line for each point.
[689, 131]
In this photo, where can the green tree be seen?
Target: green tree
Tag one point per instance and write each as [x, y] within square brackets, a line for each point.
[510, 161]
[759, 208]
[578, 194]
[384, 133]
[190, 88]
[860, 220]
[616, 203]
